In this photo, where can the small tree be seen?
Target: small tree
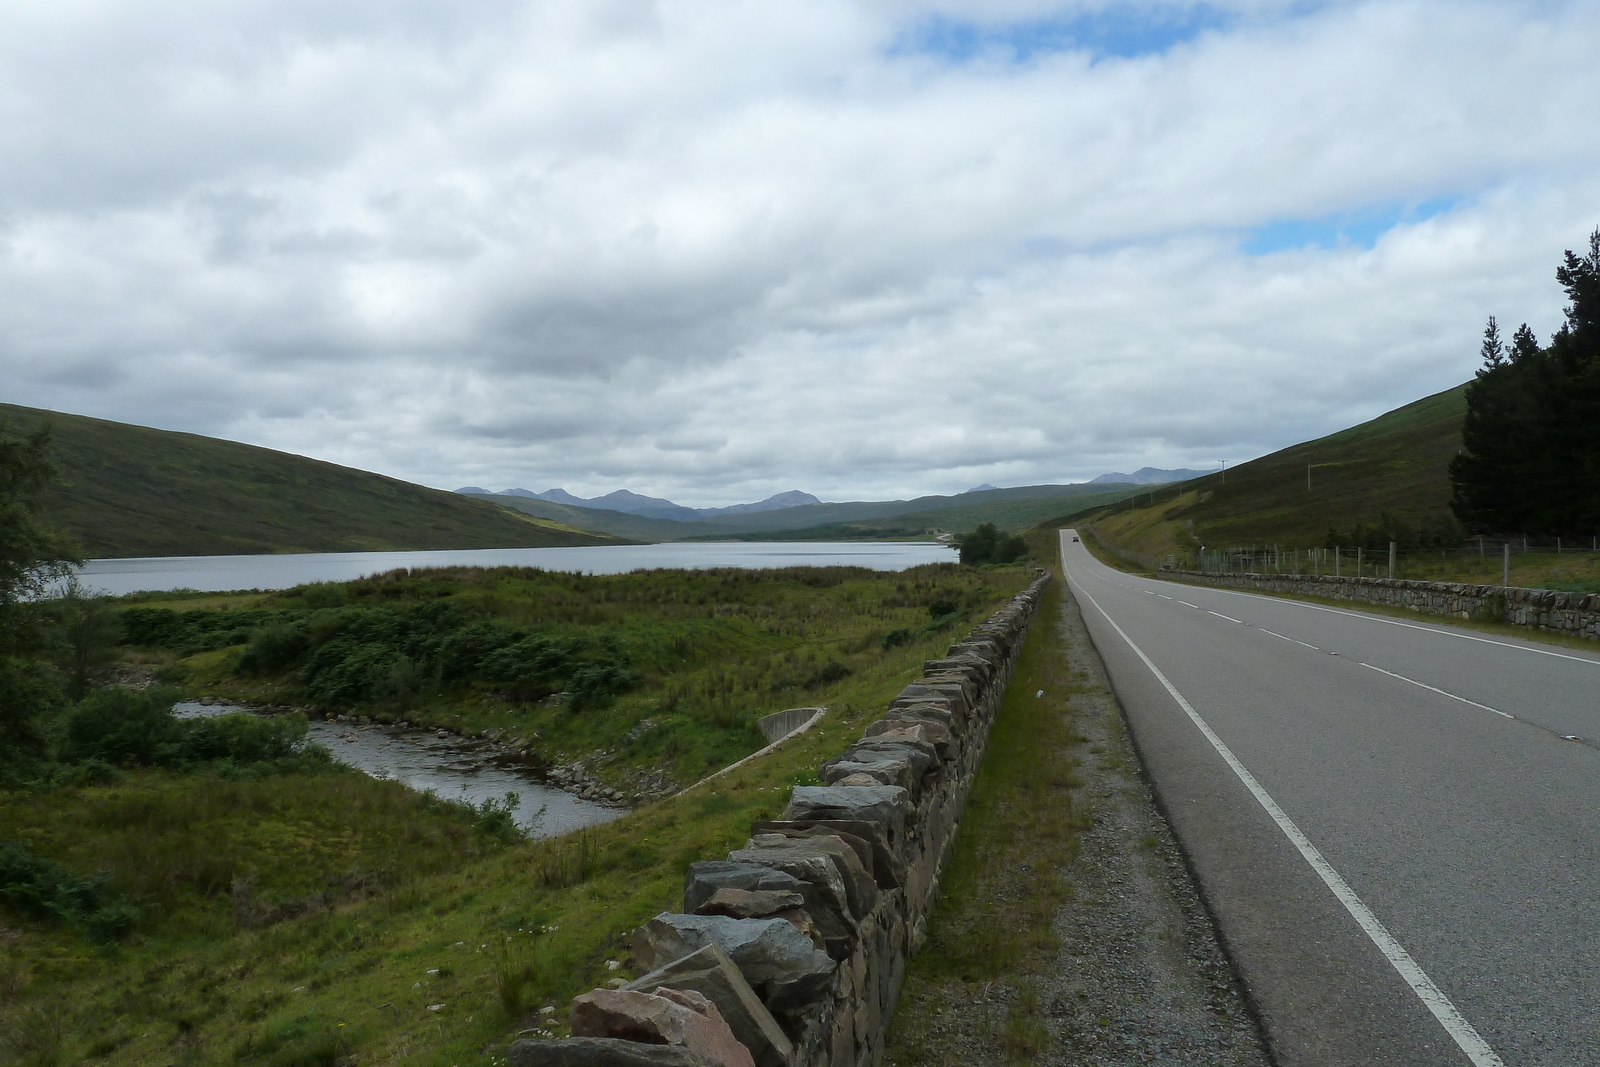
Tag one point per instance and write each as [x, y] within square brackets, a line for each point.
[31, 557]
[986, 544]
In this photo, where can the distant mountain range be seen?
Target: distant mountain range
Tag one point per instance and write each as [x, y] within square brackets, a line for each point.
[1148, 476]
[651, 507]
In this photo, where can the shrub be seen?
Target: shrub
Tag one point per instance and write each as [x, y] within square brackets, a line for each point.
[986, 544]
[125, 726]
[243, 738]
[44, 889]
[275, 647]
[599, 682]
[898, 636]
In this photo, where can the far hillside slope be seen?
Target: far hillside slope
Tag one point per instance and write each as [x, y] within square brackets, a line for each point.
[1008, 515]
[126, 490]
[1013, 508]
[1396, 465]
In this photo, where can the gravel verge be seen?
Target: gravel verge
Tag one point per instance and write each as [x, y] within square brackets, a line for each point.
[1136, 974]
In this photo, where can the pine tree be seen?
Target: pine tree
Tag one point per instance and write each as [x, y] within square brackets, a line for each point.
[1531, 450]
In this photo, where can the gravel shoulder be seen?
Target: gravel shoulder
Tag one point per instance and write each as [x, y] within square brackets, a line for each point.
[1133, 972]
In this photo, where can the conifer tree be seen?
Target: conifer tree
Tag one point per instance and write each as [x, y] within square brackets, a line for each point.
[1531, 438]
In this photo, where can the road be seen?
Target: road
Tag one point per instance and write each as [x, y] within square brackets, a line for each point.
[1396, 823]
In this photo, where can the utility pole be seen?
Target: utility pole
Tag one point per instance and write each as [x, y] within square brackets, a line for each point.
[1224, 472]
[1308, 477]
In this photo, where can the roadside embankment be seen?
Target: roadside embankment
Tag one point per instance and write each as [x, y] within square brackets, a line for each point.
[1069, 929]
[792, 950]
[1574, 614]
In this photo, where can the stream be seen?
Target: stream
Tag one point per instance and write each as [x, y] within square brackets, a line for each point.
[455, 768]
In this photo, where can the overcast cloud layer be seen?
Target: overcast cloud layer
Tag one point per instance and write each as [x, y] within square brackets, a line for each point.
[714, 250]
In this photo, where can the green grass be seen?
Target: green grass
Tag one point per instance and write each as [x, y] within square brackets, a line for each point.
[135, 491]
[372, 905]
[715, 649]
[993, 922]
[1396, 465]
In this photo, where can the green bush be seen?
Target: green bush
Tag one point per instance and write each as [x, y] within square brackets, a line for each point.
[43, 889]
[986, 544]
[900, 635]
[125, 726]
[243, 738]
[275, 647]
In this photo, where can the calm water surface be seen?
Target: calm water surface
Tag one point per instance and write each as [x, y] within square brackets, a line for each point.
[453, 767]
[221, 573]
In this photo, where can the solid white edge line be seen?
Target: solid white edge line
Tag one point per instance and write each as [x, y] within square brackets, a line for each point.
[1396, 622]
[1432, 997]
[1441, 692]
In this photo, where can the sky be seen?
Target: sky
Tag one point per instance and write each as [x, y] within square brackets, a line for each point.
[713, 249]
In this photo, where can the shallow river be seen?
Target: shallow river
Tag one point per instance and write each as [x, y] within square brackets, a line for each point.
[221, 573]
[453, 767]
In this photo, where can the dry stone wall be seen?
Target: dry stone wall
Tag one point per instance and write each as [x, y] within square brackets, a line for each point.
[797, 943]
[1577, 614]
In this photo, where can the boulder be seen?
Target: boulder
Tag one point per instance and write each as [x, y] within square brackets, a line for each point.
[601, 1052]
[709, 972]
[669, 1017]
[781, 964]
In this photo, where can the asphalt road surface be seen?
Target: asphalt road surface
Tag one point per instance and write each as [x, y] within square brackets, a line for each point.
[1396, 822]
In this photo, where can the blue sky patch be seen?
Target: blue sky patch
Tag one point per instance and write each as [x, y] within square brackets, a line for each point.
[1348, 229]
[1115, 32]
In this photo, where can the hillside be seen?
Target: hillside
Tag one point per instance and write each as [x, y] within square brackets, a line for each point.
[127, 490]
[1396, 465]
[1009, 515]
[1013, 509]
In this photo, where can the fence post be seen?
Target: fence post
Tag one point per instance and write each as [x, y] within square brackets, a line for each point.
[1391, 560]
[1338, 555]
[1360, 550]
[1505, 575]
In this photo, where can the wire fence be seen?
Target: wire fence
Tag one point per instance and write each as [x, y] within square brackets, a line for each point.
[1483, 560]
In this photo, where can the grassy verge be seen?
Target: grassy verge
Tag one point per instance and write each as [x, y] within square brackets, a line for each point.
[1002, 887]
[327, 918]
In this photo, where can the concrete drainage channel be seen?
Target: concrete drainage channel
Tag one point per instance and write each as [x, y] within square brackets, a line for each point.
[790, 952]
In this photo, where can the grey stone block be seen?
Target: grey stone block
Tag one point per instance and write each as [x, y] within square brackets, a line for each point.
[709, 972]
[707, 876]
[780, 963]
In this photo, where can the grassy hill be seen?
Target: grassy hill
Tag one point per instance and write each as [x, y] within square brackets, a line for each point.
[1013, 509]
[1010, 515]
[134, 491]
[600, 520]
[1396, 465]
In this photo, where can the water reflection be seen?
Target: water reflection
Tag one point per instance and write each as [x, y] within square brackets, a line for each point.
[451, 766]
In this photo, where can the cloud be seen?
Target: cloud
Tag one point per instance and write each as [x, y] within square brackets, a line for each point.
[721, 249]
